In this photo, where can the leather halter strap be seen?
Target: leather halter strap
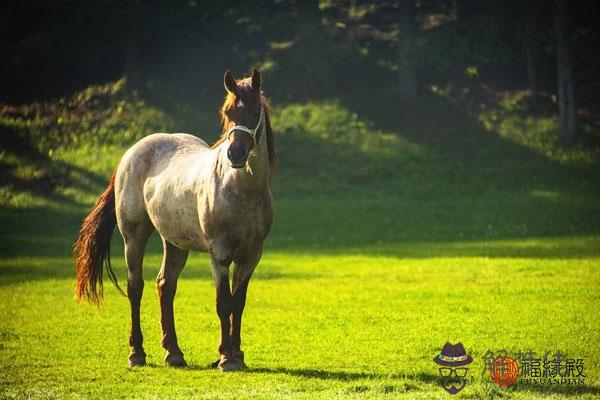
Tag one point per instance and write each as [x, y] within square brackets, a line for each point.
[251, 132]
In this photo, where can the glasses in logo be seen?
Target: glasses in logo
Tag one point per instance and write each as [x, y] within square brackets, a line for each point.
[447, 372]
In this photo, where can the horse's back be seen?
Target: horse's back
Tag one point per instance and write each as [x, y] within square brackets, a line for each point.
[169, 141]
[187, 137]
[154, 181]
[159, 148]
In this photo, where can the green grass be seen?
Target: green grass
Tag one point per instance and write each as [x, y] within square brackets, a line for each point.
[387, 243]
[317, 326]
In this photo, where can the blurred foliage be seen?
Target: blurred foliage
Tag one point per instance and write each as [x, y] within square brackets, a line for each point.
[97, 115]
[513, 120]
[324, 145]
[310, 48]
[43, 143]
[332, 124]
[330, 67]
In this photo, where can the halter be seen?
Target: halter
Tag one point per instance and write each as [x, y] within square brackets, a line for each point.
[251, 132]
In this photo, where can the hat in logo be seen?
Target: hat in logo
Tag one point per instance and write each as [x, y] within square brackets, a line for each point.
[453, 355]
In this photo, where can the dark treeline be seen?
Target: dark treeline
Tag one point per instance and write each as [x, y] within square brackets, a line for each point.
[373, 51]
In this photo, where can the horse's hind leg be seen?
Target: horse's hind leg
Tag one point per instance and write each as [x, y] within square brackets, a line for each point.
[136, 236]
[174, 259]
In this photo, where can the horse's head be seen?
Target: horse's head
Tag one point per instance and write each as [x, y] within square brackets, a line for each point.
[243, 116]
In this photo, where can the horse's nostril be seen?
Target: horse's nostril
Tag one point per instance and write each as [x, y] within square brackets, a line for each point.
[233, 155]
[236, 156]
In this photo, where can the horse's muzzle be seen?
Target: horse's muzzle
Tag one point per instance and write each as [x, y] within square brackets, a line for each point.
[237, 157]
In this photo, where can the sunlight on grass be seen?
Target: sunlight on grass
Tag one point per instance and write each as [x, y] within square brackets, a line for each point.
[331, 122]
[539, 133]
[317, 326]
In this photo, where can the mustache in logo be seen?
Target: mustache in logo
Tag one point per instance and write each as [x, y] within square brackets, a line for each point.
[453, 386]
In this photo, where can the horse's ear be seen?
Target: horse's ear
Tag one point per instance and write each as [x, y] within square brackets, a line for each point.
[255, 79]
[229, 82]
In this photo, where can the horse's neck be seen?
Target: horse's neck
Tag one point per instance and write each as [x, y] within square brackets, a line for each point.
[255, 175]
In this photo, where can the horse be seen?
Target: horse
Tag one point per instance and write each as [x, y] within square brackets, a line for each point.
[215, 199]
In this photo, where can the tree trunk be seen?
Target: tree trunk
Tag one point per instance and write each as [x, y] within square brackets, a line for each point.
[311, 45]
[133, 48]
[407, 73]
[567, 107]
[134, 63]
[533, 52]
[465, 9]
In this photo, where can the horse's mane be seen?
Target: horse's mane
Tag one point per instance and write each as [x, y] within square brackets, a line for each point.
[230, 102]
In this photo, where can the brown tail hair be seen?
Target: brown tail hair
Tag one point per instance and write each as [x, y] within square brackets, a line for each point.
[91, 251]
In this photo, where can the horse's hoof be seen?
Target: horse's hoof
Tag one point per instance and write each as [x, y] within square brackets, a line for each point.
[137, 360]
[227, 364]
[175, 360]
[231, 366]
[238, 356]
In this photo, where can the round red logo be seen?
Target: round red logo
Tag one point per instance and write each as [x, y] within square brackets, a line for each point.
[504, 371]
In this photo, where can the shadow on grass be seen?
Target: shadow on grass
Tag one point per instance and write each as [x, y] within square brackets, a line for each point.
[421, 377]
[574, 247]
[36, 269]
[418, 378]
[45, 175]
[316, 373]
[565, 390]
[326, 375]
[383, 225]
[44, 251]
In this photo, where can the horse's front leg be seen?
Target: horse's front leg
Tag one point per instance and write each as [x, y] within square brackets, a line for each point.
[242, 273]
[174, 259]
[220, 270]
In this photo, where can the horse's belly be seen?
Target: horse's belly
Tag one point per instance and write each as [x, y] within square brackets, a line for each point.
[183, 235]
[176, 220]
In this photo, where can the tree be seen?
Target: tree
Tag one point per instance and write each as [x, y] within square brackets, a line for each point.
[567, 107]
[309, 58]
[533, 50]
[407, 73]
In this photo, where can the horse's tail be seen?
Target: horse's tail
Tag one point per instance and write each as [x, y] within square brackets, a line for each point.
[91, 251]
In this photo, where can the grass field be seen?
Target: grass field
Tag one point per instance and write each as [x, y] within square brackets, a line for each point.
[386, 244]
